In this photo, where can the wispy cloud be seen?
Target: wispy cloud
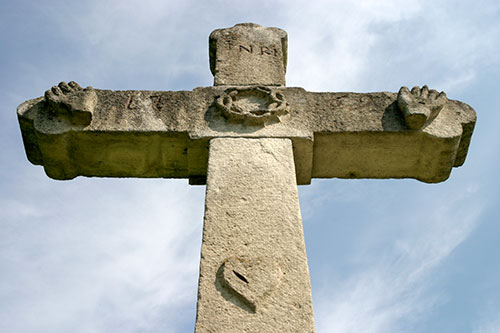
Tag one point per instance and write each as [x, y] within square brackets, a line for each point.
[427, 42]
[393, 292]
[489, 325]
[488, 319]
[112, 266]
[333, 51]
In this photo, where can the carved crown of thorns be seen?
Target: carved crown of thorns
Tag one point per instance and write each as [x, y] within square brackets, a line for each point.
[251, 105]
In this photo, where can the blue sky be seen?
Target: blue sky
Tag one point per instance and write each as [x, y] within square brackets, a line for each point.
[97, 255]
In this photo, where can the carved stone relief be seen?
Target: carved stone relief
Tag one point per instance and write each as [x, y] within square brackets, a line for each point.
[251, 280]
[420, 106]
[252, 105]
[69, 100]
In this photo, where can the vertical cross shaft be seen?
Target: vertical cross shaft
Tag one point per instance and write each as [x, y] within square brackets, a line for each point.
[253, 272]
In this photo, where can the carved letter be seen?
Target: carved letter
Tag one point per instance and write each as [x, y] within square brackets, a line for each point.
[264, 49]
[249, 50]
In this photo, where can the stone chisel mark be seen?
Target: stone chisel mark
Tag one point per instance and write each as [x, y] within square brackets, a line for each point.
[241, 277]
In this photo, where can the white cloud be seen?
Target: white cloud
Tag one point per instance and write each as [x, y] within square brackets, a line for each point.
[331, 42]
[373, 45]
[488, 319]
[114, 265]
[490, 325]
[392, 292]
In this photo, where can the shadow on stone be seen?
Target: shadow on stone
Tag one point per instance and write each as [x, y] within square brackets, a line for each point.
[230, 295]
[392, 119]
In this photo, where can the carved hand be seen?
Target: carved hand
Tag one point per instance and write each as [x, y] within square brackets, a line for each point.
[420, 106]
[69, 100]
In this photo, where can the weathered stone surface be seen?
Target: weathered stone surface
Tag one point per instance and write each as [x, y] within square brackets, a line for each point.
[248, 54]
[256, 105]
[165, 134]
[72, 102]
[264, 139]
[420, 106]
[251, 280]
[253, 273]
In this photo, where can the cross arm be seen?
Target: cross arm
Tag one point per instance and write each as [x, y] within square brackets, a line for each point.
[368, 136]
[92, 132]
[165, 134]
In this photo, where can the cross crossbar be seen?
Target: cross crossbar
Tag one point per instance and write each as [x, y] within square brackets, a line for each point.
[251, 140]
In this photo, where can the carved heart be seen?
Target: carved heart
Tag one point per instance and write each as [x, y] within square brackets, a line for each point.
[251, 279]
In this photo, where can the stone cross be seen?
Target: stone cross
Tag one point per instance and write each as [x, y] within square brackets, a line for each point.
[251, 140]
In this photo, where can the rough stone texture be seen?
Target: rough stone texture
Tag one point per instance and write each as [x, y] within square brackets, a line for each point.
[166, 134]
[248, 54]
[72, 102]
[253, 274]
[256, 105]
[264, 139]
[420, 106]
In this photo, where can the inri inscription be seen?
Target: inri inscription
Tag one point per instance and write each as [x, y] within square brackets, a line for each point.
[262, 50]
[248, 54]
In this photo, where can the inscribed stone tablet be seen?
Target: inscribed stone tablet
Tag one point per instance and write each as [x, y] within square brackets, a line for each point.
[248, 54]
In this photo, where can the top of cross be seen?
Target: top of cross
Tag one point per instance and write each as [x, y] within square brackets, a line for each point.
[248, 54]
